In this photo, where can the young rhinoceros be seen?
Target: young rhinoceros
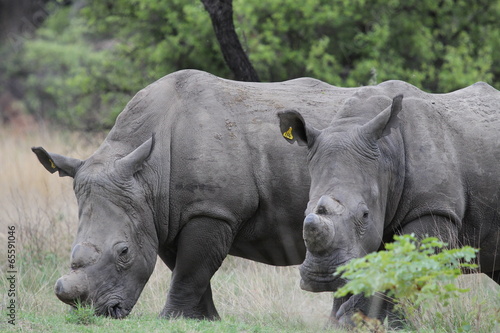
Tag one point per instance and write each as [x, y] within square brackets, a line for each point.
[428, 164]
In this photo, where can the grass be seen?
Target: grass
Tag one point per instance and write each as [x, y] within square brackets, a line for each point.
[478, 310]
[250, 297]
[82, 315]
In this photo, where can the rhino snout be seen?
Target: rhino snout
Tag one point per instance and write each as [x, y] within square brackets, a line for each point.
[72, 287]
[317, 234]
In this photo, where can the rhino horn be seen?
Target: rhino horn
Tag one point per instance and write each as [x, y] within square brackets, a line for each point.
[317, 235]
[72, 288]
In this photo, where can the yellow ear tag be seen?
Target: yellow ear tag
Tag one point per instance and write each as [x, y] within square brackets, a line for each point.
[288, 134]
[53, 166]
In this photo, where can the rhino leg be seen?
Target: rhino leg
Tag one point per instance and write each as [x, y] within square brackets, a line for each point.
[337, 302]
[377, 306]
[203, 243]
[206, 304]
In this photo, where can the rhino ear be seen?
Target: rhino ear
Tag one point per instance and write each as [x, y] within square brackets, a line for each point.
[133, 162]
[294, 128]
[381, 125]
[66, 166]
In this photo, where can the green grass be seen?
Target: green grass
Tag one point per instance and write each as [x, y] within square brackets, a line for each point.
[146, 323]
[82, 315]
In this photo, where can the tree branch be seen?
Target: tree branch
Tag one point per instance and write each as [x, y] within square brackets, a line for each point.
[221, 14]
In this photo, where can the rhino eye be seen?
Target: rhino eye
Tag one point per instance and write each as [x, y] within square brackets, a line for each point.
[365, 215]
[124, 251]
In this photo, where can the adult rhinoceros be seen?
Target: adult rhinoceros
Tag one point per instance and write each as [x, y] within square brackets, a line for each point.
[192, 171]
[429, 165]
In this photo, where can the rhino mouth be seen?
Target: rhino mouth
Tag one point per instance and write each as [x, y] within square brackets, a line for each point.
[114, 310]
[316, 277]
[315, 282]
[117, 311]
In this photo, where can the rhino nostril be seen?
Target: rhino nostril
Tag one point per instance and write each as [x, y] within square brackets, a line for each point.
[321, 210]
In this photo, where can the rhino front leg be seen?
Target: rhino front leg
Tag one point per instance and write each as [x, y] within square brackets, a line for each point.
[337, 302]
[206, 304]
[376, 306]
[203, 243]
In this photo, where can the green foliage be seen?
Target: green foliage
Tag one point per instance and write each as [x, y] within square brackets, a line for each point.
[437, 46]
[82, 315]
[409, 270]
[85, 64]
[73, 80]
[158, 37]
[88, 60]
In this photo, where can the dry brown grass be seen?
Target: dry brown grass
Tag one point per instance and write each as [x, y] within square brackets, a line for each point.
[41, 206]
[43, 209]
[252, 293]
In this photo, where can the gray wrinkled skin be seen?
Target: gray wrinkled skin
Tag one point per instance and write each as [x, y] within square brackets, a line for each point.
[193, 170]
[426, 164]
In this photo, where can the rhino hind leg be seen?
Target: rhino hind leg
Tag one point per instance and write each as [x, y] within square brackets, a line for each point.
[203, 243]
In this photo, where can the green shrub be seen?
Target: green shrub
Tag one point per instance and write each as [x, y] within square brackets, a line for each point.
[414, 273]
[73, 80]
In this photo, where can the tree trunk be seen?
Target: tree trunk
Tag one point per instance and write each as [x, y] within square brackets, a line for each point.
[221, 14]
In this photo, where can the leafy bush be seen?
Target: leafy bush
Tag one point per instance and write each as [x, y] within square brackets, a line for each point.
[73, 80]
[414, 273]
[408, 270]
[86, 63]
[438, 47]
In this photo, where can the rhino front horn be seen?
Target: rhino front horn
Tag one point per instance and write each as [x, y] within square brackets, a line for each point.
[72, 287]
[317, 234]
